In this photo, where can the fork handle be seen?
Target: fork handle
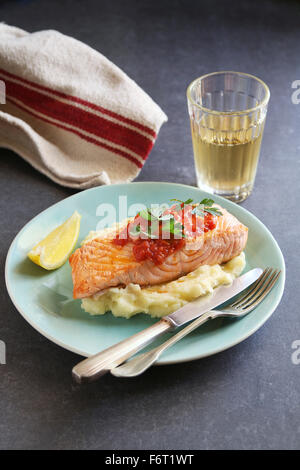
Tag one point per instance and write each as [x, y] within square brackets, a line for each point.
[188, 329]
[141, 363]
[95, 366]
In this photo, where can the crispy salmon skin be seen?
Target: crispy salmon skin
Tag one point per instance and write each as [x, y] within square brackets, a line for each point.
[100, 263]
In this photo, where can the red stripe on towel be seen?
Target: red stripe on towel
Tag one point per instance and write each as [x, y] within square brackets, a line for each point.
[75, 99]
[83, 120]
[82, 136]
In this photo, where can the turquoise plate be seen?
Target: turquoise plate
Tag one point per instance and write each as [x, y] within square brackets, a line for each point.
[44, 298]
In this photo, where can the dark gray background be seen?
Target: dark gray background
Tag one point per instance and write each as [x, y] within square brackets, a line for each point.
[245, 398]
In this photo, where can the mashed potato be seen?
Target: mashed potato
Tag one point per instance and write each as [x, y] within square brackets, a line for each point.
[162, 299]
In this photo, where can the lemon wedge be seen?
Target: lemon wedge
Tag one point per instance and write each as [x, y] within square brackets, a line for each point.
[54, 250]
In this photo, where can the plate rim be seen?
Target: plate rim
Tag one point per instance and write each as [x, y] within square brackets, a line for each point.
[215, 350]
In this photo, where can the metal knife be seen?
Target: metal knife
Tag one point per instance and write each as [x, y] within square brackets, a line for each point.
[95, 366]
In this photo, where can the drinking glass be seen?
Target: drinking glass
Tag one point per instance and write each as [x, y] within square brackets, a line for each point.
[227, 112]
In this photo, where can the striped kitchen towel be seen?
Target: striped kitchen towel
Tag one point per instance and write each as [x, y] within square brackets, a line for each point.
[70, 112]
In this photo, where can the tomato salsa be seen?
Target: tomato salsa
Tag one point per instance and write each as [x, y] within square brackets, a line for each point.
[155, 237]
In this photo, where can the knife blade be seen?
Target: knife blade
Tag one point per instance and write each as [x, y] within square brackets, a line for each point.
[220, 295]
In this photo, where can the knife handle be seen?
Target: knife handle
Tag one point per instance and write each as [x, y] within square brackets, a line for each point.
[95, 366]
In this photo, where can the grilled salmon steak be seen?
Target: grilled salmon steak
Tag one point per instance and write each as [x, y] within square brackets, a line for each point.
[114, 261]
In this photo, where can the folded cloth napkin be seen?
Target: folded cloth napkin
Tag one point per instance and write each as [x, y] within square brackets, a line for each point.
[70, 112]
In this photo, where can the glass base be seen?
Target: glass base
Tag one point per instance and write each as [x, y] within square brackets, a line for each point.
[237, 195]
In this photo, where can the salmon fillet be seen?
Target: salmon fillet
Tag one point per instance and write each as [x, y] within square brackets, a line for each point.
[100, 264]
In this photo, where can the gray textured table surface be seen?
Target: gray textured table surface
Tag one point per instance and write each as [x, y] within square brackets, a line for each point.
[247, 397]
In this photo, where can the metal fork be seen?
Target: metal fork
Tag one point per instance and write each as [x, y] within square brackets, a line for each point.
[239, 308]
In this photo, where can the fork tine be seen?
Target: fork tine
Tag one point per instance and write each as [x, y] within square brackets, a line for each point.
[254, 301]
[257, 286]
[253, 289]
